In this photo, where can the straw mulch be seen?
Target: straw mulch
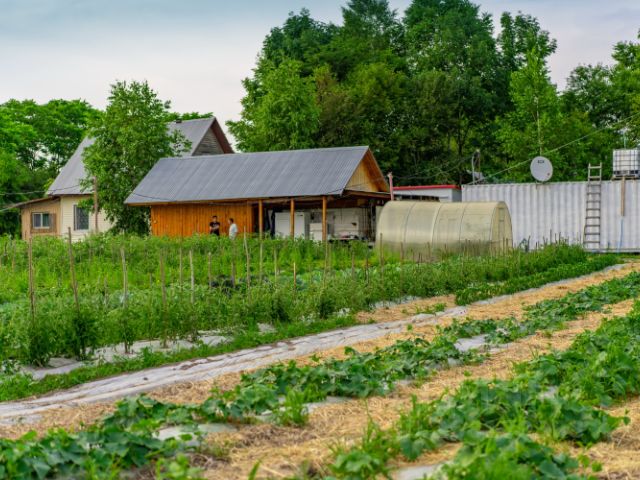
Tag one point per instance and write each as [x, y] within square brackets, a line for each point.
[620, 456]
[345, 423]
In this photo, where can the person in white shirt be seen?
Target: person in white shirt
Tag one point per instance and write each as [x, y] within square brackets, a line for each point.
[233, 229]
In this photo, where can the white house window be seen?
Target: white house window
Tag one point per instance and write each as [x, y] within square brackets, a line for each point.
[41, 220]
[80, 218]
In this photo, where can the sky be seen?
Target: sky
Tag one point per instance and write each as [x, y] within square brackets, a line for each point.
[196, 52]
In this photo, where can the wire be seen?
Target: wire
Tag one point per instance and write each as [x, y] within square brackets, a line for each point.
[560, 147]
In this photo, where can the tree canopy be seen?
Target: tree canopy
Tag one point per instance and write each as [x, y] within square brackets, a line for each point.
[430, 88]
[130, 137]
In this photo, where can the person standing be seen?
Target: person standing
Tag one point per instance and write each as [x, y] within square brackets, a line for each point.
[214, 226]
[233, 229]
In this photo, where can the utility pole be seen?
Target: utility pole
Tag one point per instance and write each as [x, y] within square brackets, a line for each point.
[390, 177]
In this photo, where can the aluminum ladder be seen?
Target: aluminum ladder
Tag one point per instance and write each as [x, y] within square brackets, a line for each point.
[593, 216]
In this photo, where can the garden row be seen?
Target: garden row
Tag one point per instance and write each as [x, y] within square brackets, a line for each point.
[557, 397]
[75, 320]
[128, 438]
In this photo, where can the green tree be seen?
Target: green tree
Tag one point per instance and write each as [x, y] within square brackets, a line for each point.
[46, 135]
[528, 130]
[280, 114]
[452, 36]
[300, 38]
[130, 138]
[13, 182]
[371, 33]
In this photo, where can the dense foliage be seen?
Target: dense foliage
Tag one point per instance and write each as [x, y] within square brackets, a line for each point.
[129, 139]
[432, 88]
[36, 140]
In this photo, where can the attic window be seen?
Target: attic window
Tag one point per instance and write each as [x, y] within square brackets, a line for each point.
[80, 218]
[41, 220]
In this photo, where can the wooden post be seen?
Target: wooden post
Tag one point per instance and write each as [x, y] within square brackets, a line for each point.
[163, 287]
[32, 294]
[248, 260]
[275, 262]
[125, 283]
[209, 276]
[72, 269]
[95, 203]
[193, 278]
[353, 263]
[295, 276]
[260, 218]
[324, 218]
[292, 218]
[261, 261]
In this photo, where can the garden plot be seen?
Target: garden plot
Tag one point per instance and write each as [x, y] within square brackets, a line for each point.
[537, 318]
[363, 337]
[347, 422]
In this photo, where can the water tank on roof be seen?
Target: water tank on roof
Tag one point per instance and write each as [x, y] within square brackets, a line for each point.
[430, 229]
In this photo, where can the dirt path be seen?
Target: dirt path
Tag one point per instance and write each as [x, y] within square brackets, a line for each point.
[192, 380]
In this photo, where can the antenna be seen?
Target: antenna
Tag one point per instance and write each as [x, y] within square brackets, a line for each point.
[541, 169]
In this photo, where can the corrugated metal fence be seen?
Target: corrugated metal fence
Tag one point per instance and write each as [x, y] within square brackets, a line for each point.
[544, 212]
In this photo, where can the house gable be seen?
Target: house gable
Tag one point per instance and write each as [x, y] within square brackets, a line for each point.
[368, 177]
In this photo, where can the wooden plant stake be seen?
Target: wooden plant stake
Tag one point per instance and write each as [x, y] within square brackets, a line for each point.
[72, 269]
[353, 264]
[13, 255]
[275, 262]
[32, 290]
[193, 280]
[295, 277]
[125, 279]
[180, 267]
[248, 261]
[261, 259]
[209, 273]
[233, 268]
[163, 288]
[326, 261]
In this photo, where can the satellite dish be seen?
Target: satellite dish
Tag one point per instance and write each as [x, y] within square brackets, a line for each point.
[541, 169]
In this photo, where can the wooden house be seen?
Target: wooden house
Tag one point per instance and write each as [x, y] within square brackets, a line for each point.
[61, 209]
[316, 193]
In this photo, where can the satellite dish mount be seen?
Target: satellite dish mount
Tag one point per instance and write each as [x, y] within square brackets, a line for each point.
[541, 169]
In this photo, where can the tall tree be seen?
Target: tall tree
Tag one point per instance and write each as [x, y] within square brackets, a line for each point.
[452, 36]
[531, 128]
[371, 33]
[279, 114]
[130, 138]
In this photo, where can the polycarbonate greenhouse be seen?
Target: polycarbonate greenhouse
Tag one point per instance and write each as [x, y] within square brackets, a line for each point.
[427, 229]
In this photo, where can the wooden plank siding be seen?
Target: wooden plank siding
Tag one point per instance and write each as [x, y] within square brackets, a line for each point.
[189, 219]
[51, 207]
[368, 177]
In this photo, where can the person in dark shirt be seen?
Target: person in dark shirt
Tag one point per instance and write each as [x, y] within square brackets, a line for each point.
[214, 226]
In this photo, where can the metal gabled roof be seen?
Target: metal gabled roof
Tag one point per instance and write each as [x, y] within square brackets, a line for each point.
[73, 172]
[294, 173]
